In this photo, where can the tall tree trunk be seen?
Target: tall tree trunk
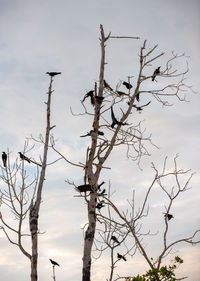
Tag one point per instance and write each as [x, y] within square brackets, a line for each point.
[35, 206]
[91, 176]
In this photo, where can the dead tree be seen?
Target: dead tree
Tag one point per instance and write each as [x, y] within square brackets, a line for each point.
[20, 201]
[111, 114]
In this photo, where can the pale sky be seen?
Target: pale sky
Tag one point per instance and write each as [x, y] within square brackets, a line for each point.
[39, 36]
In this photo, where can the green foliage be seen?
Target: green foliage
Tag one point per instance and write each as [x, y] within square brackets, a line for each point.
[165, 273]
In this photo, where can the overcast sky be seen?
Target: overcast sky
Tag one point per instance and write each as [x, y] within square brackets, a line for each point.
[63, 35]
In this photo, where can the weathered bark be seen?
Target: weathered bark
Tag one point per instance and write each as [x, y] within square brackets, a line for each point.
[35, 206]
[91, 176]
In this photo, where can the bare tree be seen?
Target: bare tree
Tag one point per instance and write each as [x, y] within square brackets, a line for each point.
[26, 198]
[112, 127]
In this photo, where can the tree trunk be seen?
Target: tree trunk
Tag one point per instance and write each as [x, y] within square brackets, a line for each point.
[89, 238]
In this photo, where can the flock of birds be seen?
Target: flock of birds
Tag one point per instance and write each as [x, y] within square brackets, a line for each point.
[87, 187]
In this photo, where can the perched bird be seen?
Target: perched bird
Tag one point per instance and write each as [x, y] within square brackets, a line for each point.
[54, 262]
[4, 158]
[127, 85]
[91, 95]
[168, 216]
[84, 188]
[156, 72]
[139, 108]
[103, 192]
[115, 121]
[53, 73]
[100, 205]
[120, 257]
[137, 97]
[100, 133]
[119, 93]
[107, 86]
[23, 157]
[114, 239]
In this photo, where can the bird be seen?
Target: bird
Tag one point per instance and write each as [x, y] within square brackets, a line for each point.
[121, 257]
[127, 85]
[54, 262]
[114, 239]
[4, 158]
[84, 188]
[100, 205]
[168, 216]
[23, 157]
[119, 93]
[115, 121]
[156, 72]
[100, 133]
[137, 97]
[91, 95]
[103, 192]
[107, 86]
[53, 73]
[139, 108]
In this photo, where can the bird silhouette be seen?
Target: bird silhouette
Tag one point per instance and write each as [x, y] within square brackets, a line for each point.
[127, 85]
[4, 158]
[115, 121]
[115, 239]
[107, 86]
[168, 216]
[23, 157]
[156, 72]
[100, 205]
[100, 133]
[54, 262]
[53, 73]
[91, 95]
[119, 93]
[84, 188]
[139, 108]
[121, 257]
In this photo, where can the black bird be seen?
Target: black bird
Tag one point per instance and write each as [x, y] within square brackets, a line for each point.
[23, 157]
[4, 158]
[100, 133]
[168, 216]
[54, 262]
[114, 239]
[156, 72]
[53, 73]
[139, 108]
[99, 206]
[107, 86]
[84, 188]
[120, 257]
[127, 85]
[121, 93]
[137, 97]
[103, 192]
[91, 95]
[114, 120]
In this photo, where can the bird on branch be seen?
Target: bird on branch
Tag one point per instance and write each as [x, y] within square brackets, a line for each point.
[84, 188]
[23, 157]
[100, 205]
[54, 262]
[139, 108]
[115, 239]
[53, 73]
[119, 93]
[121, 257]
[100, 133]
[156, 72]
[91, 95]
[127, 85]
[107, 86]
[115, 121]
[4, 158]
[168, 216]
